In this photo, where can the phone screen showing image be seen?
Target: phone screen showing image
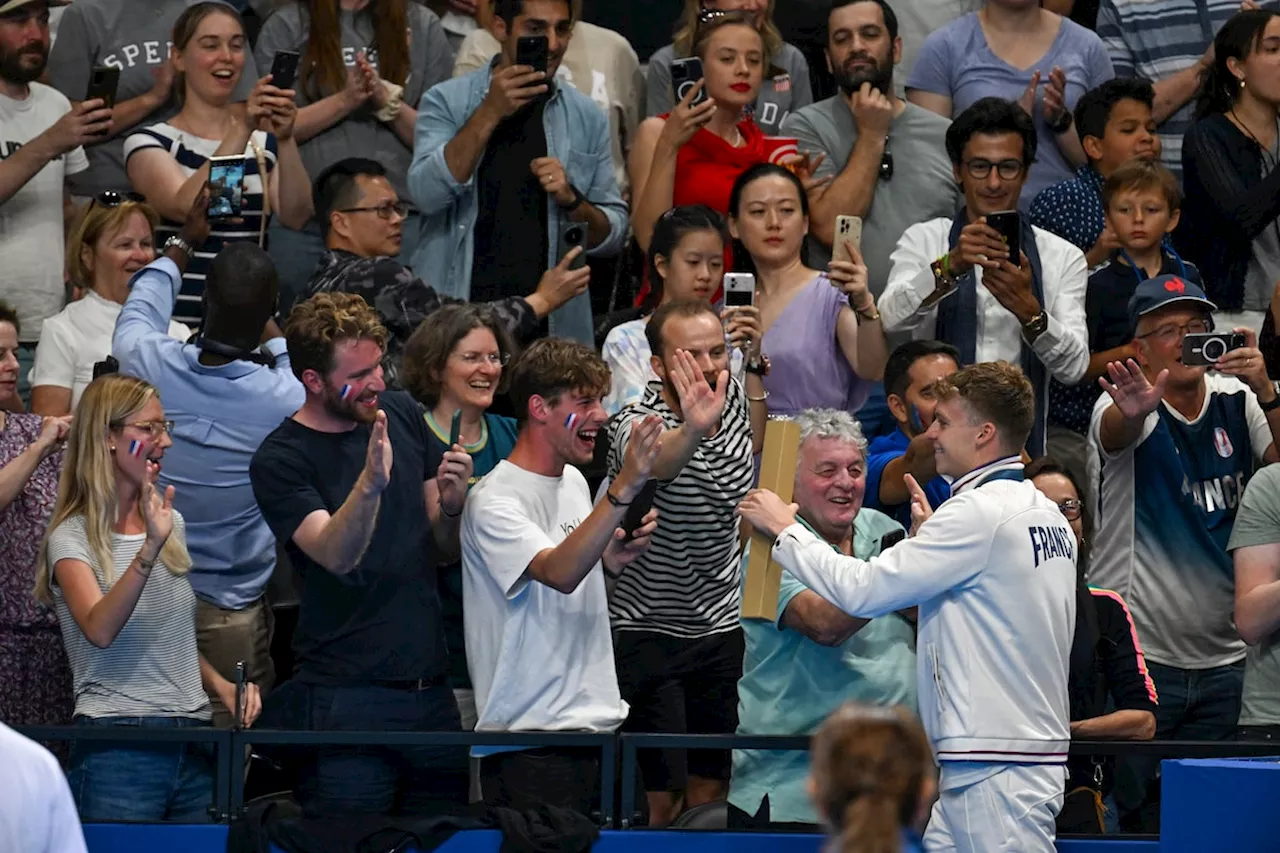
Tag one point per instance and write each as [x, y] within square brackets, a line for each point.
[226, 177]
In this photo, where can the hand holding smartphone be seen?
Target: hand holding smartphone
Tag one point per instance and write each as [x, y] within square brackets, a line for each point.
[685, 74]
[1008, 224]
[455, 429]
[639, 508]
[104, 81]
[284, 69]
[848, 239]
[226, 187]
[573, 235]
[533, 51]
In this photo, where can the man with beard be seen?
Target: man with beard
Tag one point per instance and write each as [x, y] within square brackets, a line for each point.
[887, 158]
[533, 550]
[369, 646]
[675, 617]
[41, 144]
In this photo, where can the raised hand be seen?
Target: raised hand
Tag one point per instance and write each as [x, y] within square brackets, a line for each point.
[452, 478]
[766, 512]
[86, 123]
[513, 88]
[195, 229]
[560, 284]
[700, 404]
[979, 245]
[852, 279]
[621, 551]
[921, 510]
[1133, 394]
[804, 166]
[1055, 96]
[1011, 286]
[1247, 363]
[157, 512]
[642, 449]
[685, 120]
[872, 110]
[1028, 99]
[744, 327]
[377, 460]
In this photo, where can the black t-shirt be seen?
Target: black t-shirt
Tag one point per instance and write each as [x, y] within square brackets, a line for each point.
[511, 227]
[1106, 301]
[381, 621]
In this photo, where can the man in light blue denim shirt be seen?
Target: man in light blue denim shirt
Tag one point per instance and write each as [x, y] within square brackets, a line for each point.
[502, 161]
[224, 395]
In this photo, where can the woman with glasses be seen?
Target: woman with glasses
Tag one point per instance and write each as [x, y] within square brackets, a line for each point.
[114, 239]
[821, 328]
[1019, 51]
[454, 366]
[786, 86]
[35, 683]
[1231, 215]
[114, 566]
[170, 162]
[364, 67]
[1107, 666]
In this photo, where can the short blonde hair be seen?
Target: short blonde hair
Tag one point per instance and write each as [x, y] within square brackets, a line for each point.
[997, 392]
[317, 325]
[99, 220]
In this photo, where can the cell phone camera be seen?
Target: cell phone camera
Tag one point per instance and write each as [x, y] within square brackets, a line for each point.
[683, 89]
[1216, 346]
[573, 237]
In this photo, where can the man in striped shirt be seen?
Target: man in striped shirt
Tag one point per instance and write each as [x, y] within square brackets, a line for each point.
[677, 639]
[1170, 43]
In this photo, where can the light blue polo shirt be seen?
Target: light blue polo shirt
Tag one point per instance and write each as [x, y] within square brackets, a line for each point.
[790, 684]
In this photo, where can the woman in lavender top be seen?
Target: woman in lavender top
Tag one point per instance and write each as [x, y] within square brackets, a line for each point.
[822, 331]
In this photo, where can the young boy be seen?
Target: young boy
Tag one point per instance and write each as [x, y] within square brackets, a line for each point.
[1115, 125]
[1142, 204]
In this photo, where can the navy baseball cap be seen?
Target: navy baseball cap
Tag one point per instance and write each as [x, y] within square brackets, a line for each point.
[1163, 291]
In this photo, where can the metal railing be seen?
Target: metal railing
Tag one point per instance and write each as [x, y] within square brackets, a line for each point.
[617, 751]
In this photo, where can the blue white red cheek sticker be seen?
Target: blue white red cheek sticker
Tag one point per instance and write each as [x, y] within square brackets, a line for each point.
[346, 393]
[570, 421]
[137, 448]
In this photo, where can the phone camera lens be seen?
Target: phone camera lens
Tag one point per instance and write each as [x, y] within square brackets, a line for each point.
[1214, 349]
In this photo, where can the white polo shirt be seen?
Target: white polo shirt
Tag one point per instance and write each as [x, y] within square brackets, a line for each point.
[540, 660]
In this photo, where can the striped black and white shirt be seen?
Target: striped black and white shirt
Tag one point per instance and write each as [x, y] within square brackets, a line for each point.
[687, 584]
[192, 152]
[152, 668]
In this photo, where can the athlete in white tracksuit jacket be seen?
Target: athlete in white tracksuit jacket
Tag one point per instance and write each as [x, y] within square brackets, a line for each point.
[993, 572]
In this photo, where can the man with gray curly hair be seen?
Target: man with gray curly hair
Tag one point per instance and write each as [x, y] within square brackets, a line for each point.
[814, 656]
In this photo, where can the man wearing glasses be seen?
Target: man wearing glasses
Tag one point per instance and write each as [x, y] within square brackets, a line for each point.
[362, 219]
[954, 279]
[1172, 447]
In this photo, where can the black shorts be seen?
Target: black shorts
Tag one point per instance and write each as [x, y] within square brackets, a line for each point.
[680, 686]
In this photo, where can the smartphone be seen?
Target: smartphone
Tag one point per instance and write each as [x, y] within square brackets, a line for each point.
[1009, 224]
[1205, 349]
[573, 234]
[848, 238]
[532, 51]
[455, 429]
[284, 69]
[103, 83]
[238, 711]
[888, 540]
[226, 177]
[639, 509]
[685, 74]
[739, 289]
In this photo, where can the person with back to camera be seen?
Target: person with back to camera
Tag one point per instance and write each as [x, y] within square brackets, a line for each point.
[872, 779]
[993, 571]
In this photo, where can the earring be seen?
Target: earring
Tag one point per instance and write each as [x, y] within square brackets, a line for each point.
[113, 448]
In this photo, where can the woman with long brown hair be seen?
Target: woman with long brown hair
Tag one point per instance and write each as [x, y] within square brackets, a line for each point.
[364, 66]
[873, 779]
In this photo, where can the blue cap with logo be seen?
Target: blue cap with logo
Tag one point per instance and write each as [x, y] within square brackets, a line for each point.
[1163, 291]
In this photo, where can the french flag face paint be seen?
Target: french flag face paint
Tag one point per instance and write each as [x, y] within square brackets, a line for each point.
[137, 448]
[347, 393]
[570, 421]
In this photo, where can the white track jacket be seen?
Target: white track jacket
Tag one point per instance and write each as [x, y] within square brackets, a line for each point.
[994, 574]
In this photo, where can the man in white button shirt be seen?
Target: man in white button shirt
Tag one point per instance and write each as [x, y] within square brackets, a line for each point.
[953, 279]
[37, 814]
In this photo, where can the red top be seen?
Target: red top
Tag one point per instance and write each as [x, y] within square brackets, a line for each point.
[707, 167]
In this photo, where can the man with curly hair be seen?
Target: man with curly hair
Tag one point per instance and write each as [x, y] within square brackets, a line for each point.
[370, 645]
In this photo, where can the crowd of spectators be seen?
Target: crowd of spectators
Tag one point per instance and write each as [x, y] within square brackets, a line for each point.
[469, 313]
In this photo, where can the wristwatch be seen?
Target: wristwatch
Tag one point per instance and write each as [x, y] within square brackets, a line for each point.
[177, 242]
[578, 200]
[1274, 402]
[1063, 124]
[759, 365]
[1035, 327]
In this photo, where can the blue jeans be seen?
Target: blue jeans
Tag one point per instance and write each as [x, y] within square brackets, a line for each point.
[374, 779]
[141, 782]
[1194, 704]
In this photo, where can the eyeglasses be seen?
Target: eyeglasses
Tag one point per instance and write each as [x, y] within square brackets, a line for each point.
[155, 428]
[1008, 170]
[1174, 331]
[473, 359]
[1071, 508]
[112, 198]
[886, 162]
[384, 211]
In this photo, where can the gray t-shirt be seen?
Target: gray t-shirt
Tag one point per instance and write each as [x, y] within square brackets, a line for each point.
[1264, 263]
[779, 95]
[135, 38]
[152, 668]
[361, 134]
[1258, 523]
[922, 187]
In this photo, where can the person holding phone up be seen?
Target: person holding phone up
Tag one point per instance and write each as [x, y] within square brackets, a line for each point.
[505, 160]
[1013, 293]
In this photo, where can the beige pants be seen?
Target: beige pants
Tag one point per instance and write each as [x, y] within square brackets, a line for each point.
[226, 637]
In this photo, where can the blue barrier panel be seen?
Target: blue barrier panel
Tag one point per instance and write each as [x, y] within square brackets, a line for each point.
[142, 838]
[1209, 805]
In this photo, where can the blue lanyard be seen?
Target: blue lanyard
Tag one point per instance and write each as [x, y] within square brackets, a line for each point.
[1138, 271]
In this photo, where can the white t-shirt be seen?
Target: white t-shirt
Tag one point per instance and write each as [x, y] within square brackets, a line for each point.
[76, 339]
[31, 222]
[540, 660]
[37, 814]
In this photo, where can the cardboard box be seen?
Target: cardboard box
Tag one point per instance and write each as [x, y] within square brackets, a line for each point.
[778, 475]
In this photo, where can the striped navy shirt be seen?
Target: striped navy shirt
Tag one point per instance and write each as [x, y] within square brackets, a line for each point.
[687, 584]
[192, 152]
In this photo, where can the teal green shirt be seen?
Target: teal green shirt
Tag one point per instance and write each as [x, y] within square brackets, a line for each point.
[790, 684]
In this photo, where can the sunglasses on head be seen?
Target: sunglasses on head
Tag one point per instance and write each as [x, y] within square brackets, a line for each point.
[114, 198]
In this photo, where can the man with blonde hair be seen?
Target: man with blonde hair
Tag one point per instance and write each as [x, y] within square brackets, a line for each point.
[993, 571]
[370, 642]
